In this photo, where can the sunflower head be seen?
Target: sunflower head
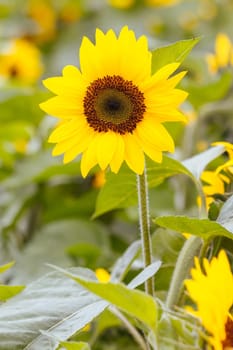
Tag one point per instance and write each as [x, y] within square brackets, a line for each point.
[21, 61]
[211, 289]
[223, 56]
[112, 109]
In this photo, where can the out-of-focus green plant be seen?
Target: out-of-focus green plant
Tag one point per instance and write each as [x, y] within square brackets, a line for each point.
[60, 229]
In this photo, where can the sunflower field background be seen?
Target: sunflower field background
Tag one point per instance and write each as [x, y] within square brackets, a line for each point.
[72, 272]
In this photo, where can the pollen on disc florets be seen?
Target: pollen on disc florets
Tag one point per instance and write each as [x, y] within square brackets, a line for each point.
[113, 103]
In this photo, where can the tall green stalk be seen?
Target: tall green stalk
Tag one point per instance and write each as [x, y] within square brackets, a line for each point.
[144, 220]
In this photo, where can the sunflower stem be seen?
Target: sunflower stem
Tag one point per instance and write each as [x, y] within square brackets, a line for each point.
[144, 221]
[190, 249]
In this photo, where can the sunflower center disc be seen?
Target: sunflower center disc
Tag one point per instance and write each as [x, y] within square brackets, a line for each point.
[228, 342]
[112, 103]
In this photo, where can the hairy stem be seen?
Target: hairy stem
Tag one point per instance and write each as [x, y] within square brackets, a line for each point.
[144, 220]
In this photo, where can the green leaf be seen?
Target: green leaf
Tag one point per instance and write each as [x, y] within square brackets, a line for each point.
[145, 274]
[7, 292]
[134, 302]
[176, 52]
[215, 91]
[199, 227]
[120, 189]
[225, 217]
[55, 304]
[198, 163]
[39, 167]
[71, 345]
[6, 267]
[22, 104]
[123, 264]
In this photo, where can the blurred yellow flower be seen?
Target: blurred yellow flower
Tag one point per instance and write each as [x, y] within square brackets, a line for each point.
[162, 2]
[71, 11]
[21, 61]
[214, 184]
[99, 179]
[121, 4]
[227, 167]
[102, 275]
[113, 109]
[21, 146]
[44, 15]
[212, 292]
[223, 56]
[228, 147]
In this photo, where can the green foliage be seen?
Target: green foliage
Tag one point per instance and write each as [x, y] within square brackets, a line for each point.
[119, 190]
[176, 52]
[73, 346]
[57, 304]
[7, 292]
[46, 206]
[199, 227]
[210, 92]
[133, 302]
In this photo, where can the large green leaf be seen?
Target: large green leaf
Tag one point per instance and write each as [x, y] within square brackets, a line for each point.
[123, 264]
[198, 163]
[176, 52]
[134, 302]
[120, 189]
[145, 274]
[225, 217]
[200, 227]
[71, 345]
[54, 304]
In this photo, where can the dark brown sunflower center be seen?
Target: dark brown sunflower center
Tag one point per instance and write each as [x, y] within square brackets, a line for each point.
[13, 71]
[113, 103]
[228, 342]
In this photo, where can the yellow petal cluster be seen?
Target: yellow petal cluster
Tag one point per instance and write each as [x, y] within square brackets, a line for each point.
[121, 4]
[21, 60]
[212, 292]
[223, 56]
[44, 15]
[109, 125]
[161, 2]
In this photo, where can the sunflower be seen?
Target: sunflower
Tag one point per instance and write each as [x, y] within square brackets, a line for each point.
[212, 292]
[214, 183]
[20, 60]
[162, 2]
[113, 109]
[223, 56]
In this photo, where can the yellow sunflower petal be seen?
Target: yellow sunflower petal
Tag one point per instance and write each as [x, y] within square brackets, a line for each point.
[149, 149]
[106, 148]
[78, 148]
[89, 158]
[66, 130]
[134, 156]
[206, 289]
[156, 134]
[118, 156]
[62, 107]
[223, 49]
[162, 74]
